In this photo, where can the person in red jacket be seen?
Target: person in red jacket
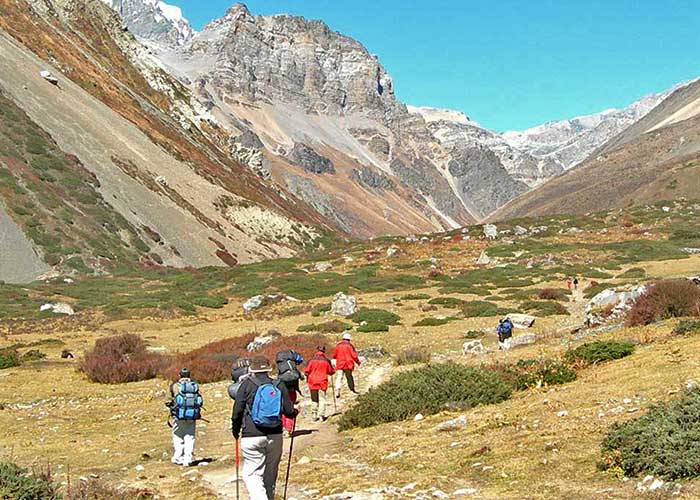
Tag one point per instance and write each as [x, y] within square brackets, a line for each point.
[346, 358]
[317, 372]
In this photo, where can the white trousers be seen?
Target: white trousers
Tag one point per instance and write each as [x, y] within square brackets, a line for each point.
[505, 345]
[261, 461]
[319, 399]
[183, 441]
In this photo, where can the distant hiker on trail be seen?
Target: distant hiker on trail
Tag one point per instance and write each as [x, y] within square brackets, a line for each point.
[569, 283]
[575, 282]
[257, 420]
[185, 409]
[288, 373]
[317, 372]
[346, 358]
[505, 332]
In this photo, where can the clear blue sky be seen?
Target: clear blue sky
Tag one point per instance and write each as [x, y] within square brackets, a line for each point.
[510, 64]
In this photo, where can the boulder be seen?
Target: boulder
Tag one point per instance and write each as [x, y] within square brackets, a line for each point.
[46, 75]
[490, 231]
[262, 340]
[265, 300]
[519, 231]
[524, 339]
[691, 251]
[343, 305]
[483, 259]
[322, 267]
[521, 320]
[373, 352]
[58, 308]
[253, 303]
[390, 252]
[453, 425]
[474, 348]
[612, 304]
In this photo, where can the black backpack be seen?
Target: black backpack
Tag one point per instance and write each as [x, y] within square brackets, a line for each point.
[287, 362]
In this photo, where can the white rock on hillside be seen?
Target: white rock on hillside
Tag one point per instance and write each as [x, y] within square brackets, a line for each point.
[343, 305]
[483, 259]
[453, 425]
[58, 308]
[521, 340]
[474, 348]
[621, 301]
[490, 231]
[522, 320]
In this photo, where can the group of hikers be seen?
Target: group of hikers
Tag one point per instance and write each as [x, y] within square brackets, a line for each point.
[264, 409]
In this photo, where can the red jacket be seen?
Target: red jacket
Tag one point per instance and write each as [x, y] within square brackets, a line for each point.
[345, 356]
[317, 372]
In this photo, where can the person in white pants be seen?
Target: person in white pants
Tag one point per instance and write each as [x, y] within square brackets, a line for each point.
[261, 461]
[183, 432]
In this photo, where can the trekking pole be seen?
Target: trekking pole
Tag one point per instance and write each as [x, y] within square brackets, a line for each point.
[289, 462]
[238, 477]
[335, 402]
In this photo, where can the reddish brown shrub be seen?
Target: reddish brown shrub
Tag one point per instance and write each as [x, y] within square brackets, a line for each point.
[665, 299]
[213, 362]
[552, 294]
[119, 359]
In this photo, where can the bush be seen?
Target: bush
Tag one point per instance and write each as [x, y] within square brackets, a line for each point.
[212, 362]
[634, 273]
[473, 334]
[210, 301]
[553, 294]
[415, 296]
[17, 482]
[599, 351]
[120, 359]
[663, 300]
[481, 308]
[451, 302]
[544, 308]
[9, 359]
[432, 321]
[425, 390]
[528, 373]
[413, 355]
[687, 326]
[377, 316]
[320, 309]
[96, 490]
[33, 355]
[373, 328]
[595, 288]
[334, 326]
[664, 442]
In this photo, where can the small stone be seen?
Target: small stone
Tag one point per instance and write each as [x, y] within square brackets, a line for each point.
[452, 425]
[304, 460]
[563, 413]
[440, 494]
[418, 417]
[409, 487]
[393, 455]
[140, 468]
[465, 492]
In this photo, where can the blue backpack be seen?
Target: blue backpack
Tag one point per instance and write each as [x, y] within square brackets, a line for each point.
[188, 402]
[505, 329]
[267, 405]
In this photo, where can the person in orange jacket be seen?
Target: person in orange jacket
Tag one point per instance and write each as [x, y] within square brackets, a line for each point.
[317, 372]
[346, 358]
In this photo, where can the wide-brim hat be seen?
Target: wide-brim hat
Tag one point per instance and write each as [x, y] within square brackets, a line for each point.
[260, 365]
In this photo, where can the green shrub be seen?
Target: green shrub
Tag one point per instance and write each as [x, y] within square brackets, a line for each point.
[528, 373]
[334, 326]
[33, 355]
[9, 359]
[18, 483]
[320, 309]
[544, 308]
[432, 321]
[633, 273]
[687, 326]
[599, 351]
[373, 327]
[377, 316]
[481, 308]
[663, 442]
[413, 355]
[210, 301]
[415, 296]
[595, 288]
[425, 390]
[473, 334]
[451, 302]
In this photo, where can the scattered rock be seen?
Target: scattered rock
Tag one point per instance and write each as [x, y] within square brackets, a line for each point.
[58, 308]
[344, 305]
[465, 492]
[140, 468]
[390, 252]
[453, 425]
[519, 231]
[490, 231]
[666, 209]
[265, 300]
[262, 340]
[304, 460]
[612, 304]
[65, 354]
[474, 348]
[393, 455]
[46, 75]
[562, 413]
[253, 303]
[521, 340]
[373, 352]
[692, 251]
[418, 417]
[483, 259]
[521, 320]
[310, 160]
[440, 494]
[322, 267]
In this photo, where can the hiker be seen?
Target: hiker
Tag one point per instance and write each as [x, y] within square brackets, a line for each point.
[575, 282]
[185, 409]
[288, 373]
[257, 420]
[569, 283]
[239, 372]
[317, 372]
[346, 358]
[505, 332]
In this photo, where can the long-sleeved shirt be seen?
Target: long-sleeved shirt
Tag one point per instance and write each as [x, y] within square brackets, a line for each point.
[345, 356]
[240, 416]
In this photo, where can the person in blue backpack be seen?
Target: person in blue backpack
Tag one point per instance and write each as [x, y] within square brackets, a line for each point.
[257, 420]
[505, 332]
[185, 409]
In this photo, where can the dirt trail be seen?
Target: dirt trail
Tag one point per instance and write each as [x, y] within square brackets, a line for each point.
[317, 438]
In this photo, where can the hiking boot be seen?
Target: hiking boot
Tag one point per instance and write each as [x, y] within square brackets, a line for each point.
[176, 461]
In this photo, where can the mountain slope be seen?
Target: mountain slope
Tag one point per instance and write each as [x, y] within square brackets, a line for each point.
[150, 148]
[656, 159]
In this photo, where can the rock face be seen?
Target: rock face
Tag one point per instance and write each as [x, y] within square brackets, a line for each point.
[310, 160]
[154, 22]
[612, 304]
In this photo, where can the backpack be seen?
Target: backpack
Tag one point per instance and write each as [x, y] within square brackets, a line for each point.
[287, 370]
[188, 403]
[267, 405]
[505, 330]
